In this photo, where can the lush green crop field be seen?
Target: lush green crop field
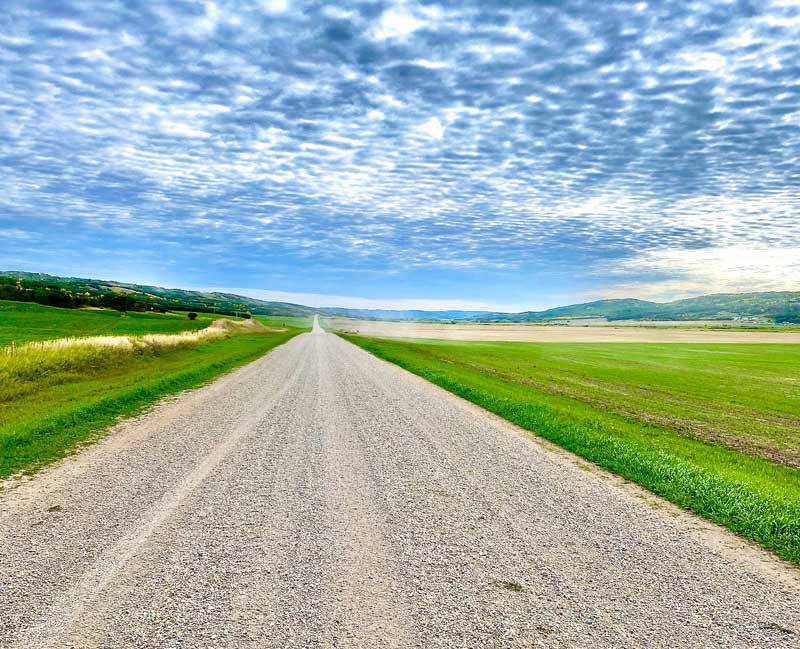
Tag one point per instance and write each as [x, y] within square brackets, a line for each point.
[695, 424]
[22, 322]
[300, 322]
[45, 418]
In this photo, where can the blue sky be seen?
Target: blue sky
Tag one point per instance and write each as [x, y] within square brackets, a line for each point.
[451, 154]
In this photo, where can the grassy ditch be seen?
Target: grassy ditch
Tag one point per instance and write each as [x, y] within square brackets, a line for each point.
[52, 400]
[712, 428]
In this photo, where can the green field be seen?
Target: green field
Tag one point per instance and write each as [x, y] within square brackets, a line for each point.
[300, 322]
[693, 423]
[53, 400]
[22, 322]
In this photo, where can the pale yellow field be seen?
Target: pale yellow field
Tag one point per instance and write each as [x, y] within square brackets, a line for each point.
[555, 333]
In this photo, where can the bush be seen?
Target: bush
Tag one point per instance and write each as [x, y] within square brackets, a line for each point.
[192, 315]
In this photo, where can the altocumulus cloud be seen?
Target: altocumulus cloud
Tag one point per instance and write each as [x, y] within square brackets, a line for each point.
[645, 148]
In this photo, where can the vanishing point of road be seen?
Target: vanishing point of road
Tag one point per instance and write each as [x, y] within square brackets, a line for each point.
[320, 497]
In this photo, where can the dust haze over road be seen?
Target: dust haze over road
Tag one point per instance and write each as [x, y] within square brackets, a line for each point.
[320, 497]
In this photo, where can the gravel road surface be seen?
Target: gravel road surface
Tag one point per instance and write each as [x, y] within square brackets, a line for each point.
[320, 497]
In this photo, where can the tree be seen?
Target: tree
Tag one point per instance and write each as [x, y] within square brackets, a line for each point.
[192, 315]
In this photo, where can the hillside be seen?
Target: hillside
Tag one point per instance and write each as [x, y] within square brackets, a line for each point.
[74, 291]
[77, 291]
[775, 306]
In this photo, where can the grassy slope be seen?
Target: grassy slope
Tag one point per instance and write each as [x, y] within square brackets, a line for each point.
[45, 424]
[25, 321]
[585, 397]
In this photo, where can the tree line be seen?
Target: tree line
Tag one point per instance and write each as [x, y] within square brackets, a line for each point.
[59, 296]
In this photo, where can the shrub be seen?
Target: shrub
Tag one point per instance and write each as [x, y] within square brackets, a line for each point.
[192, 315]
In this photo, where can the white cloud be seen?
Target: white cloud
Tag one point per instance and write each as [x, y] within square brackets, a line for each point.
[703, 61]
[275, 6]
[674, 274]
[431, 65]
[209, 22]
[16, 233]
[182, 130]
[432, 128]
[70, 25]
[396, 22]
[15, 40]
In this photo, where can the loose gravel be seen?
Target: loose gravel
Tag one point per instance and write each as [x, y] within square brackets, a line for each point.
[320, 497]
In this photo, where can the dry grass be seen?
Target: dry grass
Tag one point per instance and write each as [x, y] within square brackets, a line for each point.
[141, 344]
[24, 368]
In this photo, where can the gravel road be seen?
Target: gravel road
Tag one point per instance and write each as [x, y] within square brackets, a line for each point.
[320, 497]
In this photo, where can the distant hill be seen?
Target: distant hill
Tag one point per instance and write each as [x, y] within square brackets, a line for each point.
[389, 314]
[773, 306]
[75, 291]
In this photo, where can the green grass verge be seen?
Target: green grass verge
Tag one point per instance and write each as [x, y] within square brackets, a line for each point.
[22, 322]
[754, 497]
[42, 425]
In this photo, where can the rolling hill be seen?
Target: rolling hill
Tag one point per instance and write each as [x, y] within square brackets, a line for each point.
[770, 306]
[74, 291]
[773, 306]
[77, 291]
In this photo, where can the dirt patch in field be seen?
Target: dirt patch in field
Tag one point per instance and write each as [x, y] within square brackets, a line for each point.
[555, 333]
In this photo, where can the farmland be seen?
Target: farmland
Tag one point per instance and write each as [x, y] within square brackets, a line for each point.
[54, 396]
[627, 332]
[714, 428]
[300, 322]
[22, 322]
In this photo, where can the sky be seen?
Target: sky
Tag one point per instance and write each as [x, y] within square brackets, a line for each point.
[462, 154]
